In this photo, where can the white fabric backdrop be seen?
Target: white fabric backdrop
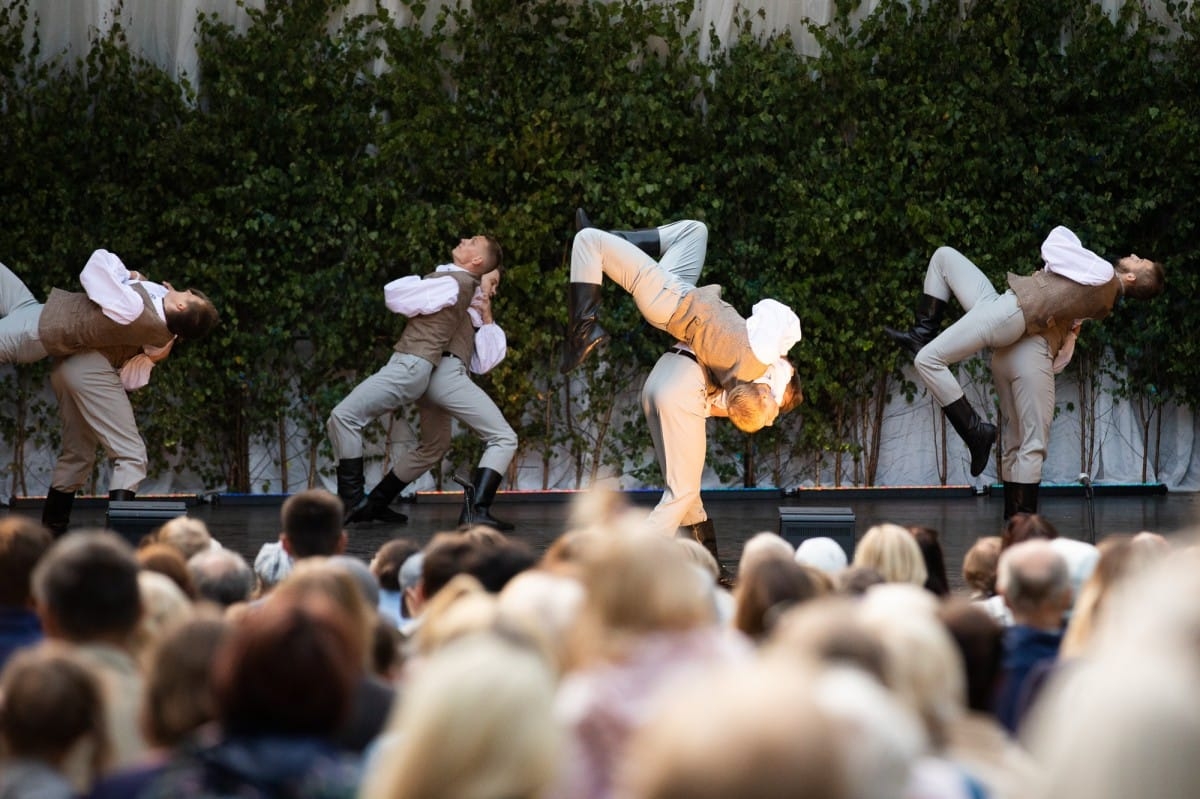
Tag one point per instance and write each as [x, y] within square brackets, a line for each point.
[164, 32]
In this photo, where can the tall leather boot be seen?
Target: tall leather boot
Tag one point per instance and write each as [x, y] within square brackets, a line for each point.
[645, 239]
[376, 508]
[978, 435]
[929, 317]
[350, 484]
[584, 333]
[706, 534]
[56, 513]
[121, 495]
[478, 497]
[1020, 498]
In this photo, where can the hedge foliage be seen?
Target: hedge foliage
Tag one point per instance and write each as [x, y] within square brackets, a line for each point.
[308, 164]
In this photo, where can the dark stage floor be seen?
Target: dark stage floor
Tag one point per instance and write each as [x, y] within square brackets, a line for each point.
[958, 515]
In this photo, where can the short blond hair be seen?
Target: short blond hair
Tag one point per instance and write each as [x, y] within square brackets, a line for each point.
[893, 552]
[746, 408]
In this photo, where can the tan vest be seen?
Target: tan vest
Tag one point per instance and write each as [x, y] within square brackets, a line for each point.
[716, 332]
[72, 323]
[1051, 303]
[429, 335]
[462, 344]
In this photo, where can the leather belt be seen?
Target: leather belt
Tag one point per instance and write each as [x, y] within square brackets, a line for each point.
[684, 353]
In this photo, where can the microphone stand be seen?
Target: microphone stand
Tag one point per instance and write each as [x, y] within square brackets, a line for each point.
[1089, 495]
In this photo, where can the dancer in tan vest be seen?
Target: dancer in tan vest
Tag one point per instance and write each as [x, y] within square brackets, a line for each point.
[1075, 284]
[106, 341]
[436, 305]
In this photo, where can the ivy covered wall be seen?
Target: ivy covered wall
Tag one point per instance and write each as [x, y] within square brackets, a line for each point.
[308, 164]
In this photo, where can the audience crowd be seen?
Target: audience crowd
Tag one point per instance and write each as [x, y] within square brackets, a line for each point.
[466, 665]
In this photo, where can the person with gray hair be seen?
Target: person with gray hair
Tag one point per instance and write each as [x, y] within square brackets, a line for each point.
[221, 576]
[1036, 585]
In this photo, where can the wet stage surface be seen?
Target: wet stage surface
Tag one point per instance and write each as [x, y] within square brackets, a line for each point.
[960, 517]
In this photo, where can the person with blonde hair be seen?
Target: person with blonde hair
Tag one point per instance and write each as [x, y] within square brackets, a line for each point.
[892, 551]
[755, 730]
[647, 619]
[477, 723]
[187, 534]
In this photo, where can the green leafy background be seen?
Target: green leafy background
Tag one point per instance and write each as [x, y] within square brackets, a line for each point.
[309, 163]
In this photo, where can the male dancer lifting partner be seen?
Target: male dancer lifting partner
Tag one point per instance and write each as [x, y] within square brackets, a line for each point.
[106, 339]
[1074, 284]
[737, 351]
[679, 396]
[477, 347]
[437, 307]
[1023, 374]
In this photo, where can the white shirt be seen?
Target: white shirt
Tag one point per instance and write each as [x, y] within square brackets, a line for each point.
[773, 329]
[1065, 255]
[417, 296]
[109, 284]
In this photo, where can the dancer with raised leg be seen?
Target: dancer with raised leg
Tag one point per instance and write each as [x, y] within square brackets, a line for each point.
[680, 394]
[736, 351]
[1074, 284]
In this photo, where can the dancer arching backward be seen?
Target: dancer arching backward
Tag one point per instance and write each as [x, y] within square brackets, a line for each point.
[1074, 284]
[735, 350]
[437, 306]
[452, 394]
[107, 339]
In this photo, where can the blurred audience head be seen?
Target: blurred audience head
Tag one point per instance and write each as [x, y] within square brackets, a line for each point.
[221, 576]
[86, 589]
[312, 524]
[188, 535]
[893, 552]
[256, 683]
[23, 543]
[979, 566]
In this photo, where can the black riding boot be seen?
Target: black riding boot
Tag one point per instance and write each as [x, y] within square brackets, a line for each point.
[645, 239]
[56, 513]
[978, 435]
[376, 508]
[925, 329]
[1020, 498]
[706, 534]
[478, 498]
[584, 333]
[121, 495]
[350, 483]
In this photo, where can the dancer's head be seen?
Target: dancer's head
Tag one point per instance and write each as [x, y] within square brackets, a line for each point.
[478, 254]
[190, 313]
[1141, 278]
[751, 406]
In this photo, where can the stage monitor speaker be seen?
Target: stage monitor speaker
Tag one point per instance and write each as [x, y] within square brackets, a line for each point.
[799, 524]
[135, 519]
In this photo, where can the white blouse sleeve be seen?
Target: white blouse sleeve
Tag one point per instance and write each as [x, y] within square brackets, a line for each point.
[1066, 256]
[415, 296]
[773, 329]
[491, 345]
[106, 281]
